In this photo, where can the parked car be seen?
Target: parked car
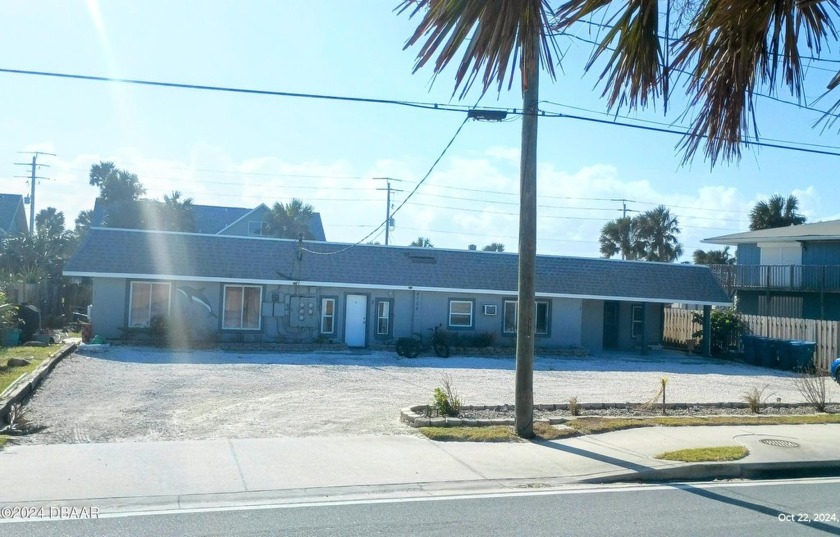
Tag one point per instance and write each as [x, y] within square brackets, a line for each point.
[835, 370]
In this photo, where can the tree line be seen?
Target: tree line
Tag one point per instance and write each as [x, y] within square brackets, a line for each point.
[653, 235]
[39, 257]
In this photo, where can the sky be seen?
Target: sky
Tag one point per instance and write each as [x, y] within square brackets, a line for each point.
[235, 149]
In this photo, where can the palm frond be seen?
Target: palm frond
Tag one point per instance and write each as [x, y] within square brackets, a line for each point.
[497, 34]
[633, 72]
[734, 46]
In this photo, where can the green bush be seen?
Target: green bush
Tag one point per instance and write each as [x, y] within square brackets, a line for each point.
[445, 401]
[727, 328]
[480, 340]
[159, 328]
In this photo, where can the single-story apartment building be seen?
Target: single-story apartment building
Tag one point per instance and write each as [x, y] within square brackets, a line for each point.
[256, 289]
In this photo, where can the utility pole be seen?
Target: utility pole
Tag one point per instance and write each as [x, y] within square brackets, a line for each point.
[624, 206]
[33, 177]
[388, 221]
[624, 213]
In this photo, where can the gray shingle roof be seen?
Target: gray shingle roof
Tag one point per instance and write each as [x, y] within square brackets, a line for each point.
[129, 253]
[209, 219]
[828, 230]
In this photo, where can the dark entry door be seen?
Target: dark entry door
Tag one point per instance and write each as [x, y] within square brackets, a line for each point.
[611, 325]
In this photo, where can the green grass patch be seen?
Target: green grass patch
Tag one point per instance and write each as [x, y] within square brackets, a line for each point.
[544, 431]
[497, 433]
[707, 454]
[470, 434]
[596, 425]
[36, 354]
[3, 440]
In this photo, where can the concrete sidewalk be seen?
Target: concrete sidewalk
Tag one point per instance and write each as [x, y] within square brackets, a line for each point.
[153, 475]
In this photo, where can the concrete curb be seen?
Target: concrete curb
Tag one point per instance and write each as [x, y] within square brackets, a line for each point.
[420, 415]
[25, 389]
[706, 471]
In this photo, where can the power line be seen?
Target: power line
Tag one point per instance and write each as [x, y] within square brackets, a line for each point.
[385, 223]
[422, 105]
[247, 91]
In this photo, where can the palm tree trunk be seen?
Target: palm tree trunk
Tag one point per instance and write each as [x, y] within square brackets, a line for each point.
[527, 248]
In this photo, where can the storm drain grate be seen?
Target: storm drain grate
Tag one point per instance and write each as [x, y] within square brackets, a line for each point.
[778, 443]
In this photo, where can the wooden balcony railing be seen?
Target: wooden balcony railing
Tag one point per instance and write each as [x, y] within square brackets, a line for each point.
[806, 278]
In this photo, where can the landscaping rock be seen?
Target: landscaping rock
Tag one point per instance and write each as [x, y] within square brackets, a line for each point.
[19, 362]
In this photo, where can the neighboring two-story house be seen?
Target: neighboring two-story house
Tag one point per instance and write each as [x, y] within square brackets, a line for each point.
[215, 220]
[12, 215]
[785, 272]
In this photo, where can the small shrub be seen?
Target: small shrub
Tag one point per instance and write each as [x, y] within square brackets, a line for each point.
[812, 387]
[483, 339]
[445, 400]
[158, 327]
[574, 406]
[659, 394]
[727, 327]
[755, 398]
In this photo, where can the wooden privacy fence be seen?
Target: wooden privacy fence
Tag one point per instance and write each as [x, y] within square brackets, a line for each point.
[679, 327]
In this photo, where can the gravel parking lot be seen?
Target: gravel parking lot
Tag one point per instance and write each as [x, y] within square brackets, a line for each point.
[141, 394]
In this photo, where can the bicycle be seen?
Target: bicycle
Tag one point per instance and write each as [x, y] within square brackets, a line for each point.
[410, 347]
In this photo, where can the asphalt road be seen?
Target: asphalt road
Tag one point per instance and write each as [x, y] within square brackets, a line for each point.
[770, 508]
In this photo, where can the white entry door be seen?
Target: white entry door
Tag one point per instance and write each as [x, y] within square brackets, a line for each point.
[355, 320]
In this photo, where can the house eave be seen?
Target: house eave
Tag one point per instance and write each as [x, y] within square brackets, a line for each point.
[495, 292]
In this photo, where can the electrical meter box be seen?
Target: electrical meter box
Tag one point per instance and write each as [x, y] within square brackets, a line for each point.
[303, 312]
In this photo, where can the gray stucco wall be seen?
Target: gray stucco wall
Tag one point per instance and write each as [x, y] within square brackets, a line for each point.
[653, 325]
[572, 322]
[109, 307]
[593, 319]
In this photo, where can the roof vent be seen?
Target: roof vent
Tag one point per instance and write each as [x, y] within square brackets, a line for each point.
[471, 247]
[428, 259]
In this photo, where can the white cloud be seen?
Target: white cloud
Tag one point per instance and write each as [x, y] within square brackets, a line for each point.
[465, 201]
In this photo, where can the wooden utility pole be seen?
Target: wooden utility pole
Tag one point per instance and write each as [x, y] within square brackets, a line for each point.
[526, 304]
[33, 177]
[388, 220]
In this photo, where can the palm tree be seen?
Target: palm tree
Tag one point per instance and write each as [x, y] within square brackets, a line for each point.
[115, 185]
[657, 234]
[728, 49]
[499, 37]
[619, 236]
[775, 212]
[177, 213]
[291, 221]
[422, 242]
[713, 257]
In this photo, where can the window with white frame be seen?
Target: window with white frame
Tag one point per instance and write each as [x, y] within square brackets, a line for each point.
[637, 321]
[327, 315]
[257, 228]
[147, 300]
[383, 317]
[242, 307]
[542, 320]
[461, 313]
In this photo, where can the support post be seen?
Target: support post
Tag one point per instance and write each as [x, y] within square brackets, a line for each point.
[707, 330]
[526, 303]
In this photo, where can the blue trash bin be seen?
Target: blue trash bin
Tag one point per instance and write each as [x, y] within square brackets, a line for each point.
[770, 356]
[785, 352]
[762, 348]
[748, 342]
[803, 355]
